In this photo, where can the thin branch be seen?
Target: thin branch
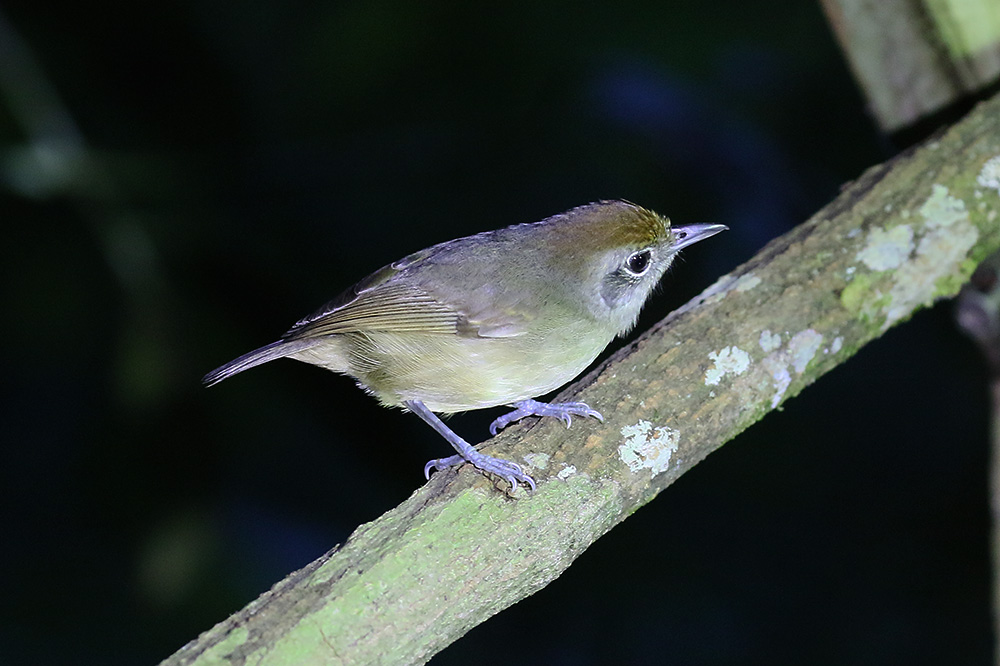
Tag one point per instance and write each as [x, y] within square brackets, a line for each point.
[459, 550]
[978, 315]
[913, 59]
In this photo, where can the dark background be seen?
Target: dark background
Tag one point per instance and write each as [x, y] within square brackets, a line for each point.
[182, 181]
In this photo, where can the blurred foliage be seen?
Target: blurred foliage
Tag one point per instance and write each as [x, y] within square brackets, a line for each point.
[182, 181]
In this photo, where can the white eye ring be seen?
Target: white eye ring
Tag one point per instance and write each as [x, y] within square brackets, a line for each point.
[638, 262]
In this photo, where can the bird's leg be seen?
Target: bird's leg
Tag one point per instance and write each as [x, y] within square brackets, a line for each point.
[565, 411]
[510, 471]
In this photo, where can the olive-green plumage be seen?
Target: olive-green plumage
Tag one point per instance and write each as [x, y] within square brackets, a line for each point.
[490, 319]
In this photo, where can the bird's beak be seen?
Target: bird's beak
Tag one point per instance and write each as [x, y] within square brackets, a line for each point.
[692, 233]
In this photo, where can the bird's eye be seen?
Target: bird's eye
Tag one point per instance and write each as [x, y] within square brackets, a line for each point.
[637, 262]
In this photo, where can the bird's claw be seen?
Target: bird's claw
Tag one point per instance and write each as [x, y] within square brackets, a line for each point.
[505, 469]
[564, 411]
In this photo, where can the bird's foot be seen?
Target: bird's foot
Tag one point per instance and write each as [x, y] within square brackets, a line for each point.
[564, 411]
[505, 469]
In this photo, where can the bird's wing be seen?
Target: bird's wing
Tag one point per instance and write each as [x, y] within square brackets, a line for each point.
[440, 296]
[388, 307]
[383, 304]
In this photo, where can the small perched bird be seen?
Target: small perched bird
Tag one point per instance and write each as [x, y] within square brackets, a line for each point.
[497, 318]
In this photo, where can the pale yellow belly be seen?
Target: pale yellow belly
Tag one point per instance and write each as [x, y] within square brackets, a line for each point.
[453, 374]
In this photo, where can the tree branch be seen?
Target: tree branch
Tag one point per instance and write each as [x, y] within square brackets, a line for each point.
[403, 587]
[912, 59]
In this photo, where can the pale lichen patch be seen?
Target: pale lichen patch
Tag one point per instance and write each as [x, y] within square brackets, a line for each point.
[838, 343]
[802, 348]
[537, 460]
[940, 255]
[941, 209]
[780, 377]
[932, 264]
[648, 447]
[769, 341]
[989, 175]
[727, 361]
[566, 472]
[887, 248]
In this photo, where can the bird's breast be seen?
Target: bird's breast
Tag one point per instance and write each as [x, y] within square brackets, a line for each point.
[451, 373]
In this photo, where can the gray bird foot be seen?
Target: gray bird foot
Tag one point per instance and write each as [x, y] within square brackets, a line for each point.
[564, 411]
[466, 452]
[505, 469]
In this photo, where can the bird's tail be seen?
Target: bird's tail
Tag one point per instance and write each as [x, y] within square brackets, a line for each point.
[278, 349]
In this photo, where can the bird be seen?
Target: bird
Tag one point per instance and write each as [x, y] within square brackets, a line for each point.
[496, 318]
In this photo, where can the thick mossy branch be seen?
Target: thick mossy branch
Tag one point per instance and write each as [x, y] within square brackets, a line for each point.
[459, 550]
